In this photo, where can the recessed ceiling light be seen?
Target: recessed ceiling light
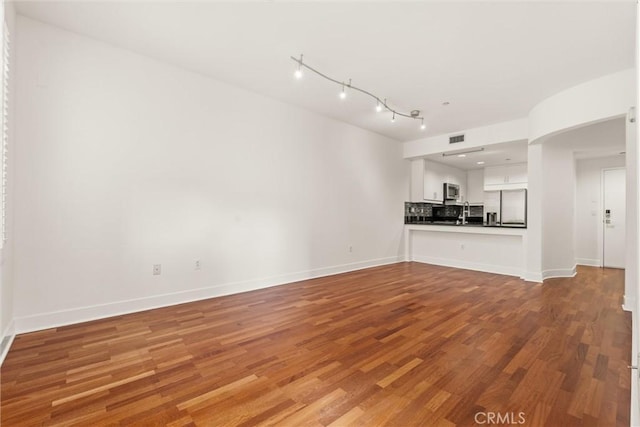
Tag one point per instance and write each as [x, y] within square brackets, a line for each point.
[479, 163]
[462, 155]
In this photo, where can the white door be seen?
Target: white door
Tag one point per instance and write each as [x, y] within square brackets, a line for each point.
[614, 218]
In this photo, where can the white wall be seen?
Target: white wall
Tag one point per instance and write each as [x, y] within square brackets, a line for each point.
[631, 200]
[596, 100]
[124, 162]
[558, 207]
[535, 188]
[514, 130]
[6, 253]
[588, 236]
[632, 278]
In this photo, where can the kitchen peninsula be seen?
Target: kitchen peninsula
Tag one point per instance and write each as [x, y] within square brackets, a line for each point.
[480, 227]
[491, 249]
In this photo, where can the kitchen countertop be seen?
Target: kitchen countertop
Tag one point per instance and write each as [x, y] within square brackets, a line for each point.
[450, 224]
[469, 228]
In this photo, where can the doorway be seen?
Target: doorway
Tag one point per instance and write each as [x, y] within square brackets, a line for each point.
[614, 218]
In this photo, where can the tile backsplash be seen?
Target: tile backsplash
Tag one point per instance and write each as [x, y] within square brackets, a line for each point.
[509, 207]
[417, 209]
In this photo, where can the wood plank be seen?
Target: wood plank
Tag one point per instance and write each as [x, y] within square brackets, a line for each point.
[403, 344]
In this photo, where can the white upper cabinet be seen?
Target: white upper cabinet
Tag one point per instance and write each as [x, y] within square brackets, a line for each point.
[417, 180]
[436, 174]
[507, 177]
[427, 179]
[433, 180]
[475, 186]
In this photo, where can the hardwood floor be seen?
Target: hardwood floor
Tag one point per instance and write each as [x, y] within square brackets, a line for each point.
[399, 345]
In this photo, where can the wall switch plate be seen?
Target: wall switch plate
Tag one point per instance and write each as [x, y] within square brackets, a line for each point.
[157, 269]
[197, 265]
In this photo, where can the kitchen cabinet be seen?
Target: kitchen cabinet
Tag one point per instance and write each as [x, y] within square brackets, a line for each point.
[506, 177]
[475, 186]
[417, 180]
[427, 179]
[433, 180]
[436, 174]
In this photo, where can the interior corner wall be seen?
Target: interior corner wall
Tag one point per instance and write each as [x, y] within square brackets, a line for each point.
[631, 199]
[533, 240]
[558, 210]
[6, 254]
[124, 162]
[588, 236]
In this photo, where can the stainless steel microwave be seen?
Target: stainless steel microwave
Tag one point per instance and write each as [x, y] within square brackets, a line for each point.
[451, 191]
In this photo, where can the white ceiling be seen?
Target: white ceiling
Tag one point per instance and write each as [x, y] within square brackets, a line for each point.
[606, 138]
[491, 155]
[492, 61]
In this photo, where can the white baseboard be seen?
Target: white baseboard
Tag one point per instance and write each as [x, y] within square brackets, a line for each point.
[84, 314]
[628, 303]
[6, 340]
[589, 262]
[559, 272]
[533, 276]
[476, 266]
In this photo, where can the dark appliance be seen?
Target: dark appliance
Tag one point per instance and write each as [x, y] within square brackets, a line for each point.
[451, 191]
[492, 218]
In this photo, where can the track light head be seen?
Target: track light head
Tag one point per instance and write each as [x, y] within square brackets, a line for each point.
[343, 94]
[298, 73]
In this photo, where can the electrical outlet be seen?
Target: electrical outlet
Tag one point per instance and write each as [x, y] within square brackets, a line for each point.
[462, 247]
[157, 269]
[197, 265]
[350, 248]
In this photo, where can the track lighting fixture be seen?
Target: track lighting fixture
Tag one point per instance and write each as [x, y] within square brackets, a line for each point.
[380, 104]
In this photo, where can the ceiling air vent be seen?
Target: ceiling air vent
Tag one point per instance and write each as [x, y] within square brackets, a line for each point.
[456, 138]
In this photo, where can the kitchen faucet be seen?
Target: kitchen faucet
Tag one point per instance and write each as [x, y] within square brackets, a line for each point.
[465, 212]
